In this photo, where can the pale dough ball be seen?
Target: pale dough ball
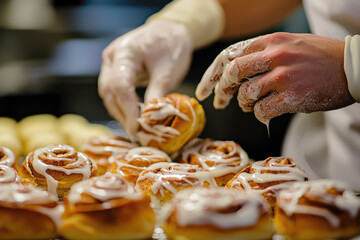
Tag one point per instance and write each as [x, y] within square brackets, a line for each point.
[83, 134]
[34, 124]
[8, 125]
[11, 141]
[69, 123]
[43, 139]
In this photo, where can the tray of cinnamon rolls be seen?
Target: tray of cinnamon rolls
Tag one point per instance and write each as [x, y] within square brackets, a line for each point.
[65, 178]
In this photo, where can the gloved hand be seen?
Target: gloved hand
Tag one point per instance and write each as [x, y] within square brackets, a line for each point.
[160, 48]
[279, 73]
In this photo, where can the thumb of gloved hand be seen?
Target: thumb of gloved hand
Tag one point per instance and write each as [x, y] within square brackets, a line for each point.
[162, 49]
[169, 59]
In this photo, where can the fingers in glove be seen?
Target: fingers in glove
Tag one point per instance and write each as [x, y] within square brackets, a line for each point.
[215, 71]
[236, 73]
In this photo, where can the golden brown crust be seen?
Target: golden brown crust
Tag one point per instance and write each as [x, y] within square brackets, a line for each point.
[62, 165]
[132, 163]
[210, 219]
[162, 180]
[23, 223]
[299, 214]
[186, 117]
[100, 149]
[266, 177]
[25, 212]
[109, 210]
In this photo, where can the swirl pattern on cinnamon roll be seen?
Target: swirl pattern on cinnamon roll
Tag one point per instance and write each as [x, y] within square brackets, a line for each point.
[217, 213]
[268, 177]
[161, 181]
[222, 159]
[107, 207]
[100, 149]
[136, 160]
[28, 212]
[56, 168]
[168, 123]
[318, 209]
[8, 175]
[7, 157]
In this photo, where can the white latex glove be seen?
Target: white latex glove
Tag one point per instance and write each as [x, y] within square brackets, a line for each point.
[161, 49]
[279, 73]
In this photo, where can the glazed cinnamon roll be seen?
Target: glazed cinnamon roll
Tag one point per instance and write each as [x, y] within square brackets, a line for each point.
[222, 159]
[56, 168]
[268, 177]
[217, 213]
[161, 181]
[318, 209]
[107, 207]
[100, 149]
[28, 212]
[7, 157]
[136, 160]
[168, 123]
[8, 175]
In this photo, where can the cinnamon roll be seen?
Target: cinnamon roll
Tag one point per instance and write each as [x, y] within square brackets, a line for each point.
[318, 209]
[100, 149]
[222, 159]
[161, 181]
[136, 160]
[8, 175]
[107, 207]
[168, 123]
[268, 177]
[217, 213]
[56, 168]
[28, 212]
[7, 157]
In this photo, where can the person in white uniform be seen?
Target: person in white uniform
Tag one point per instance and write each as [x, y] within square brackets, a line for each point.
[273, 74]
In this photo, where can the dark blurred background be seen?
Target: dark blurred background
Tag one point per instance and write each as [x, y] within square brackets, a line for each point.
[50, 56]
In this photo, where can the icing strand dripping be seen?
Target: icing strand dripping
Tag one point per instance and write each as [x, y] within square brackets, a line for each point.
[41, 167]
[288, 200]
[288, 173]
[24, 195]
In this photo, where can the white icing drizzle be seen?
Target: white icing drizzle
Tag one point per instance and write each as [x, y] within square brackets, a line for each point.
[200, 206]
[29, 197]
[103, 188]
[8, 175]
[159, 110]
[145, 154]
[8, 158]
[288, 173]
[222, 162]
[288, 200]
[68, 155]
[55, 214]
[104, 145]
[162, 174]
